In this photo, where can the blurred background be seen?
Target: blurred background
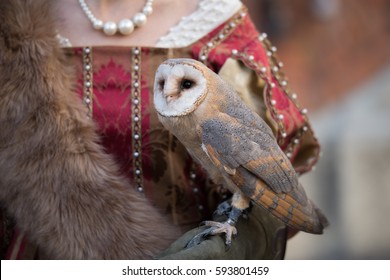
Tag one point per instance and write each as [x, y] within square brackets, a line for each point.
[337, 57]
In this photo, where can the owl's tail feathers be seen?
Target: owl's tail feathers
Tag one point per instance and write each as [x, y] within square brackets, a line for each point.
[318, 221]
[322, 220]
[295, 211]
[318, 224]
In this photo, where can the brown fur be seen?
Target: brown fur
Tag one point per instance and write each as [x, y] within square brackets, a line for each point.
[55, 180]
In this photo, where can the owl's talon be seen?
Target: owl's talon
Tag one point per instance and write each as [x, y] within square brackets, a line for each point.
[216, 228]
[199, 238]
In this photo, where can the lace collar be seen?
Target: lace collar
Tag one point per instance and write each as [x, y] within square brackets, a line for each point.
[209, 15]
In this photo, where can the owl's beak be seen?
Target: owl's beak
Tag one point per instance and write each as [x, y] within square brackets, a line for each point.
[170, 97]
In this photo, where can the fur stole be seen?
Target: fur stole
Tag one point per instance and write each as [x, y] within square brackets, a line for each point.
[62, 190]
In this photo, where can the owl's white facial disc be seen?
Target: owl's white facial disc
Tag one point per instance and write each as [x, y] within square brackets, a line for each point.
[178, 89]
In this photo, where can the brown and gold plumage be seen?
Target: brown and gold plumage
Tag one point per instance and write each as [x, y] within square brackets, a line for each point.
[232, 143]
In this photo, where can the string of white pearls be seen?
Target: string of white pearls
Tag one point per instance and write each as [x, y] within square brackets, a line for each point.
[125, 26]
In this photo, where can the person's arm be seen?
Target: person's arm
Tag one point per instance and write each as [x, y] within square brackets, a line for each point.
[260, 236]
[56, 181]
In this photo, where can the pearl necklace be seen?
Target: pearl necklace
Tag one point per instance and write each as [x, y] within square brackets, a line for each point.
[124, 26]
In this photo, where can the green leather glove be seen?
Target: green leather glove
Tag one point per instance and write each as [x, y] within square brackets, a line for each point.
[260, 236]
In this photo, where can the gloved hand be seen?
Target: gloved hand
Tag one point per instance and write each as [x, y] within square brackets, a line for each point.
[260, 236]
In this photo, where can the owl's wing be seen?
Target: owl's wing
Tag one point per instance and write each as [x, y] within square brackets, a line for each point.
[235, 145]
[252, 159]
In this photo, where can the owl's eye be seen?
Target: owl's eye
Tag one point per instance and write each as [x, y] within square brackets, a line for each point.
[186, 84]
[161, 84]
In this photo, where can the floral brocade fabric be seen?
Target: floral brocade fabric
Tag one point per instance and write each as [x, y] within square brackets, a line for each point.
[121, 103]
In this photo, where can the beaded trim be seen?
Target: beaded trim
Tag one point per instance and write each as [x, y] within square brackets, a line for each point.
[274, 69]
[222, 35]
[136, 117]
[88, 80]
[135, 106]
[261, 70]
[275, 66]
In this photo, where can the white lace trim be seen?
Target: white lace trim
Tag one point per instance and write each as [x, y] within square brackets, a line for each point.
[209, 15]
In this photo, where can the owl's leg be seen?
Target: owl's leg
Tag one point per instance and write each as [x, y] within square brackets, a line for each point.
[239, 204]
[228, 227]
[224, 208]
[217, 228]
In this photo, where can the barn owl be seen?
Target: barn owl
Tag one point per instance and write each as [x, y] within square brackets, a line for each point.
[232, 143]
